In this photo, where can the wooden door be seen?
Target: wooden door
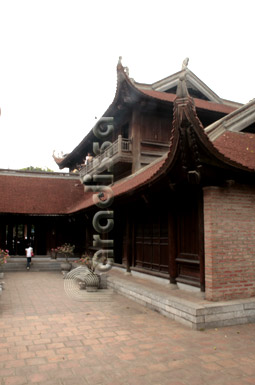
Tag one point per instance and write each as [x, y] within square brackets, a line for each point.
[190, 240]
[151, 240]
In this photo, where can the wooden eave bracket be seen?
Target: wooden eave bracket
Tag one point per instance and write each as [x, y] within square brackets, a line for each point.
[194, 145]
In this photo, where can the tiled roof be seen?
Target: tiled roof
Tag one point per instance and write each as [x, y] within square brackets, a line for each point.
[237, 146]
[38, 195]
[199, 103]
[133, 88]
[124, 186]
[55, 196]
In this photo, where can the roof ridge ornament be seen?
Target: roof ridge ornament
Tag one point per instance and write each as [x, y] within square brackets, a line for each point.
[126, 70]
[120, 61]
[121, 67]
[185, 63]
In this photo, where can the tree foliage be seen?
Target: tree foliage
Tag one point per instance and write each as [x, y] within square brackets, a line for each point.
[36, 169]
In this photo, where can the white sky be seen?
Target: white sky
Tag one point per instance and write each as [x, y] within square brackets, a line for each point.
[58, 62]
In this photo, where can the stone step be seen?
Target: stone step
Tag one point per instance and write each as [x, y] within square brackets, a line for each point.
[38, 264]
[188, 308]
[35, 266]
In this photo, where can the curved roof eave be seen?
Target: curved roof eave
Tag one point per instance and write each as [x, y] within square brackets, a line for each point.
[111, 110]
[168, 161]
[150, 94]
[159, 168]
[68, 160]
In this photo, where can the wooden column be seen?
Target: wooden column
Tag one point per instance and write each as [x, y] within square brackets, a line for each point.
[172, 244]
[201, 241]
[119, 144]
[126, 259]
[136, 140]
[2, 236]
[88, 239]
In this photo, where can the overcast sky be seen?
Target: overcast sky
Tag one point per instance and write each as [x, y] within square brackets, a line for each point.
[58, 62]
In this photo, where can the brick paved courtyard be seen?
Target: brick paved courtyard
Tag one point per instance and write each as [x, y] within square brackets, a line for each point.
[48, 338]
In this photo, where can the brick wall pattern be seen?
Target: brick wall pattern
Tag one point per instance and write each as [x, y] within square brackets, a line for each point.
[229, 220]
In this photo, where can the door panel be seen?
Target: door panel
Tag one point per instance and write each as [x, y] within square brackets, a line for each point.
[189, 256]
[151, 239]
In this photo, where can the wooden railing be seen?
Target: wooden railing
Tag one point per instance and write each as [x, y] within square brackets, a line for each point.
[120, 147]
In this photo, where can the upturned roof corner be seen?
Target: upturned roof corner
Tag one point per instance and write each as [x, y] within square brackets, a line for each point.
[122, 72]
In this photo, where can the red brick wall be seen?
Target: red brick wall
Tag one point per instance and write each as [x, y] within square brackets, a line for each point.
[229, 219]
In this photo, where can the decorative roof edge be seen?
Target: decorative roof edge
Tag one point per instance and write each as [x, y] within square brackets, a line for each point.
[38, 174]
[236, 121]
[172, 81]
[217, 104]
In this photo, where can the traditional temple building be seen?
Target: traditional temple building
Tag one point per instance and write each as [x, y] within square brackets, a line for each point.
[184, 198]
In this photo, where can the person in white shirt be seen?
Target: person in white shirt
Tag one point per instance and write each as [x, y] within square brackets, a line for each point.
[88, 158]
[29, 254]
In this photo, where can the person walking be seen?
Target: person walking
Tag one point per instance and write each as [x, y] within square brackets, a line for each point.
[29, 254]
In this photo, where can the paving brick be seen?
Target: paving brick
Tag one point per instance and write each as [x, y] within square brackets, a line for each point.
[62, 374]
[42, 341]
[14, 363]
[45, 353]
[64, 351]
[52, 382]
[60, 339]
[55, 345]
[18, 349]
[26, 370]
[74, 381]
[26, 354]
[212, 366]
[15, 380]
[117, 342]
[91, 342]
[122, 338]
[6, 357]
[227, 363]
[48, 367]
[35, 348]
[38, 377]
[14, 339]
[24, 342]
[56, 358]
[35, 361]
[127, 356]
[7, 372]
[158, 368]
[73, 343]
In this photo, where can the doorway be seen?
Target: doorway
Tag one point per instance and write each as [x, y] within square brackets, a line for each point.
[18, 236]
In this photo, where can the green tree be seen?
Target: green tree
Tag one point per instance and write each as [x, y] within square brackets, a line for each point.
[36, 169]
